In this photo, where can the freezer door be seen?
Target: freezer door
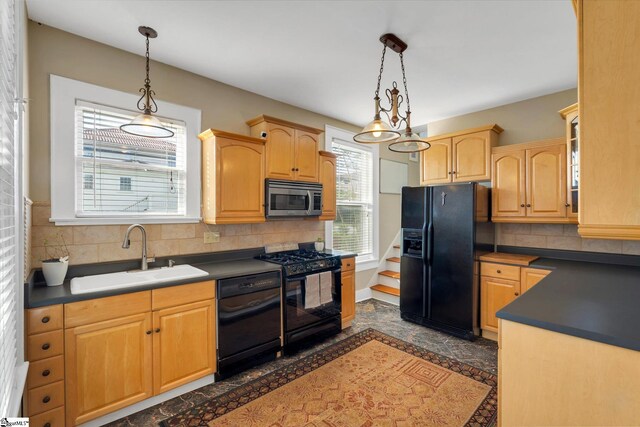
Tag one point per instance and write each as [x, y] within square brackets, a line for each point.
[412, 286]
[413, 207]
[451, 285]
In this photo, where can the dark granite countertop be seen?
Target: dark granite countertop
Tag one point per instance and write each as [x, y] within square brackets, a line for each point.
[219, 266]
[592, 300]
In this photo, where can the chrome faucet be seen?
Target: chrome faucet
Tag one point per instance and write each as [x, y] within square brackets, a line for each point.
[127, 243]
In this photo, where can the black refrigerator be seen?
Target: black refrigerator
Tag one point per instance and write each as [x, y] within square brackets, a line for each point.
[444, 229]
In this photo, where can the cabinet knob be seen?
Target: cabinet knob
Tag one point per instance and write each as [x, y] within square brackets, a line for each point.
[498, 271]
[46, 346]
[46, 373]
[453, 172]
[46, 399]
[450, 173]
[566, 205]
[45, 319]
[528, 205]
[517, 293]
[522, 205]
[148, 332]
[157, 330]
[47, 425]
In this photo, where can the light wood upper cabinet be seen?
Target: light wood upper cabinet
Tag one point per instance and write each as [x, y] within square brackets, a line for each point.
[570, 115]
[529, 182]
[328, 180]
[609, 111]
[183, 344]
[435, 163]
[233, 173]
[281, 152]
[292, 149]
[509, 184]
[546, 181]
[459, 157]
[472, 156]
[107, 366]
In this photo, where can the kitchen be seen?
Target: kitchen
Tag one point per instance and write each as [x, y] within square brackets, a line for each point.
[260, 204]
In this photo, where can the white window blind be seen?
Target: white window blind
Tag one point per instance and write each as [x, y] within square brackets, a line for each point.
[353, 226]
[9, 210]
[119, 174]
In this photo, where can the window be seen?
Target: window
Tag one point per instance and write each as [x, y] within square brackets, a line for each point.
[13, 369]
[119, 178]
[356, 197]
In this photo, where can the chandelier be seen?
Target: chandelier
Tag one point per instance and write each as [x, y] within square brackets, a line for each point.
[146, 124]
[378, 130]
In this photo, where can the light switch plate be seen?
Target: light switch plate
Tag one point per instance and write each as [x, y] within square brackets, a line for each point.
[211, 237]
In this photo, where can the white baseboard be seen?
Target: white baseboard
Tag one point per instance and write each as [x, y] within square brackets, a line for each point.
[363, 294]
[137, 407]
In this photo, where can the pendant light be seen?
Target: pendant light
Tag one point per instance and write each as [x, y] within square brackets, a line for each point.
[146, 124]
[380, 131]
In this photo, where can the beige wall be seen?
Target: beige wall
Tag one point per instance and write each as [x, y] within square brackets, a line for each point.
[528, 120]
[52, 51]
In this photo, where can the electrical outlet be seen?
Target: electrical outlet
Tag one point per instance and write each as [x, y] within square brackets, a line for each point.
[211, 237]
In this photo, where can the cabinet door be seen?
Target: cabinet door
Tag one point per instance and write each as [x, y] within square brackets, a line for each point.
[107, 366]
[508, 182]
[281, 152]
[435, 163]
[495, 294]
[546, 181]
[348, 297]
[573, 164]
[183, 344]
[306, 162]
[530, 277]
[328, 181]
[472, 157]
[240, 182]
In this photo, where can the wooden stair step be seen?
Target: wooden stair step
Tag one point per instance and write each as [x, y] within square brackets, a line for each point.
[393, 259]
[396, 246]
[386, 290]
[389, 273]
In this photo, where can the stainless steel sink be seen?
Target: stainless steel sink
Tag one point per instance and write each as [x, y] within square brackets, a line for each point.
[132, 279]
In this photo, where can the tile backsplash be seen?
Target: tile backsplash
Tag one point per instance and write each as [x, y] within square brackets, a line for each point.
[560, 236]
[102, 243]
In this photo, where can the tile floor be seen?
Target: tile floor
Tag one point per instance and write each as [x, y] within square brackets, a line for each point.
[375, 314]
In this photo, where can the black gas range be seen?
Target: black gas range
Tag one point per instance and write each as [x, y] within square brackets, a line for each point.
[306, 320]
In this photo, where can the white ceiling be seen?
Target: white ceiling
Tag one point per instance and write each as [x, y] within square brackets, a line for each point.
[324, 56]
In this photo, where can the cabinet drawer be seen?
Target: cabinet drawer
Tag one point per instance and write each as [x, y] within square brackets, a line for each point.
[107, 308]
[184, 294]
[53, 418]
[45, 398]
[47, 344]
[348, 264]
[500, 271]
[44, 319]
[45, 371]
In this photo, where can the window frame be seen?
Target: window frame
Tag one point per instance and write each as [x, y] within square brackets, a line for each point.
[64, 94]
[369, 261]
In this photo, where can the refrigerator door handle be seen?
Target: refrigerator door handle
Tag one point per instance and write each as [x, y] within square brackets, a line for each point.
[429, 236]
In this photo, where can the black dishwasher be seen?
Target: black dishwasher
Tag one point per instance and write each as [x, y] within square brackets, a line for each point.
[249, 321]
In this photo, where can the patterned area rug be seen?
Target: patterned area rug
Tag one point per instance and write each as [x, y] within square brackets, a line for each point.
[368, 379]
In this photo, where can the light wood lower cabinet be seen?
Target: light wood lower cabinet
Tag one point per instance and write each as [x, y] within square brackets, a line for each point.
[108, 366]
[348, 279]
[123, 349]
[495, 294]
[530, 277]
[183, 344]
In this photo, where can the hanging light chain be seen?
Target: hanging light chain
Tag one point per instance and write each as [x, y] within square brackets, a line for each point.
[404, 81]
[146, 102]
[384, 50]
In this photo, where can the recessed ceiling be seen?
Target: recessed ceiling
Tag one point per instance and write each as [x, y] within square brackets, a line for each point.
[324, 56]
